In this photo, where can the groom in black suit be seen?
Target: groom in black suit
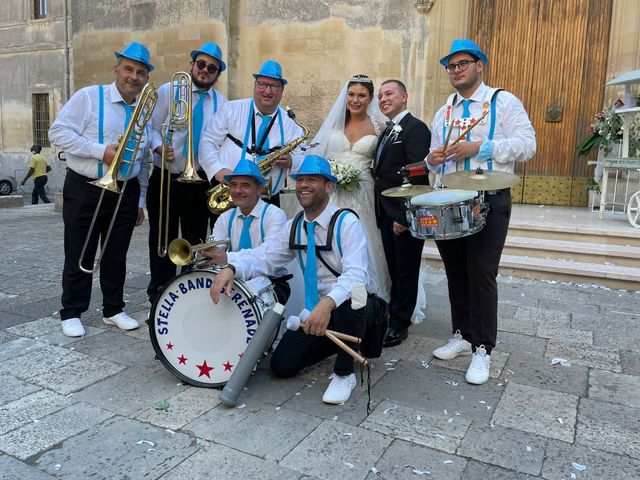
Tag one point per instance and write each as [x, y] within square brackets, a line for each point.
[405, 141]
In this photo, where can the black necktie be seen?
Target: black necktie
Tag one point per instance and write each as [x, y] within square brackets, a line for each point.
[385, 137]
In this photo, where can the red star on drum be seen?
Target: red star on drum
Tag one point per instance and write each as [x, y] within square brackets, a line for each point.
[204, 369]
[227, 366]
[169, 346]
[182, 359]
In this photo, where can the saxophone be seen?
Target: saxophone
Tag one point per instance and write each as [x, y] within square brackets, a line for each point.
[219, 199]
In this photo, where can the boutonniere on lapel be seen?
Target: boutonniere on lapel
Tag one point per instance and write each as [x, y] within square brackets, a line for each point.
[395, 131]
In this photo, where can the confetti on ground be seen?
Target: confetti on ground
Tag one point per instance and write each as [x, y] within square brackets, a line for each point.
[448, 462]
[335, 417]
[482, 402]
[418, 418]
[347, 434]
[242, 406]
[451, 382]
[445, 412]
[561, 361]
[450, 420]
[163, 405]
[439, 435]
[417, 471]
[278, 408]
[461, 397]
[350, 465]
[528, 448]
[424, 364]
[168, 430]
[390, 368]
[375, 471]
[387, 410]
[140, 442]
[57, 467]
[579, 467]
[560, 421]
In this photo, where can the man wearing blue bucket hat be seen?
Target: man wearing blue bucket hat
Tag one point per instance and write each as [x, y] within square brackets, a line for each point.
[252, 128]
[87, 129]
[188, 200]
[498, 134]
[251, 223]
[331, 247]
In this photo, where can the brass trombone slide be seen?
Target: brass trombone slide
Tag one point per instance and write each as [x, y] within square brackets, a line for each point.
[128, 145]
[181, 252]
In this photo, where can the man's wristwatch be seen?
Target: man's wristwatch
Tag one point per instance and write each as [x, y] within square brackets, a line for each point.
[230, 266]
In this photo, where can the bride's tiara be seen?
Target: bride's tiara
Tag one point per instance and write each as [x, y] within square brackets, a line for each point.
[361, 80]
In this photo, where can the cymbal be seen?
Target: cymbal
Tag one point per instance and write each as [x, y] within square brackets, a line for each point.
[406, 190]
[485, 180]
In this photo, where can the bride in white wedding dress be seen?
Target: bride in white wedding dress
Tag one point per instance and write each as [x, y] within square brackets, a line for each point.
[349, 136]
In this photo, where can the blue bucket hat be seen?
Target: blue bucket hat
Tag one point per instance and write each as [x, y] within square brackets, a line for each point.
[213, 50]
[315, 165]
[271, 69]
[138, 52]
[247, 168]
[464, 45]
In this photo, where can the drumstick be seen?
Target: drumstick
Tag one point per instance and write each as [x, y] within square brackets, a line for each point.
[343, 336]
[466, 131]
[446, 142]
[356, 356]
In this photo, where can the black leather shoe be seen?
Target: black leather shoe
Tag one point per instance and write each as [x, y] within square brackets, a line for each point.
[395, 336]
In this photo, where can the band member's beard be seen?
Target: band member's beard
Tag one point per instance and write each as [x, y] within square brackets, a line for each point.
[202, 85]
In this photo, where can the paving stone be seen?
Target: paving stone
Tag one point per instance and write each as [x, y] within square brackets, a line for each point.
[438, 431]
[525, 321]
[30, 408]
[8, 319]
[615, 388]
[39, 361]
[56, 337]
[401, 458]
[537, 411]
[620, 334]
[476, 471]
[6, 337]
[599, 465]
[12, 469]
[506, 447]
[18, 346]
[184, 407]
[352, 456]
[227, 463]
[630, 363]
[119, 348]
[131, 390]
[436, 389]
[461, 364]
[517, 344]
[40, 309]
[414, 348]
[608, 426]
[14, 388]
[77, 375]
[566, 334]
[120, 448]
[34, 438]
[589, 356]
[537, 371]
[36, 328]
[246, 428]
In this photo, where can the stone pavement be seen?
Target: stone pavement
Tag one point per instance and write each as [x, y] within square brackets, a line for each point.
[84, 408]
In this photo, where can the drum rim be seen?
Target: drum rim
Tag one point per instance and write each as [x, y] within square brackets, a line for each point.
[154, 340]
[473, 194]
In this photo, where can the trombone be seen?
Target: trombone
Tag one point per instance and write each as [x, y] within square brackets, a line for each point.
[127, 150]
[181, 252]
[180, 96]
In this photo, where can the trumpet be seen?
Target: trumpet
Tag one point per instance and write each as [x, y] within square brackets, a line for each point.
[126, 152]
[219, 198]
[181, 252]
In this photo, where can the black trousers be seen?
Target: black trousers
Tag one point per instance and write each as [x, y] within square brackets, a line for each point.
[298, 350]
[188, 212]
[472, 264]
[80, 201]
[404, 255]
[38, 190]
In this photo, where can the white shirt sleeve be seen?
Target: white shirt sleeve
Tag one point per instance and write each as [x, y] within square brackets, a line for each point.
[266, 259]
[516, 141]
[214, 133]
[160, 116]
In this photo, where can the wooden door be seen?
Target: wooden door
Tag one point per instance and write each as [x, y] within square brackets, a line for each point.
[552, 55]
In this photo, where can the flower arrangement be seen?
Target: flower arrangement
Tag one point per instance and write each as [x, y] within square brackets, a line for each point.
[607, 130]
[349, 177]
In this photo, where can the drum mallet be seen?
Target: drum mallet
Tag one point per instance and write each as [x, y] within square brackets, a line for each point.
[294, 323]
[257, 346]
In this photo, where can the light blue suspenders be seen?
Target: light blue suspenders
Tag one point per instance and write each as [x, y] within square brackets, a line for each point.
[338, 235]
[232, 218]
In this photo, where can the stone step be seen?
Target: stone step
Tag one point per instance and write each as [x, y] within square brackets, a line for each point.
[586, 251]
[612, 276]
[577, 233]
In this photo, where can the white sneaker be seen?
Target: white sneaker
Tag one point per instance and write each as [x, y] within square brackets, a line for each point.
[478, 371]
[340, 388]
[454, 347]
[122, 321]
[72, 327]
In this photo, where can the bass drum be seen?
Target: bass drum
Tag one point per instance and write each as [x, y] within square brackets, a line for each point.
[198, 341]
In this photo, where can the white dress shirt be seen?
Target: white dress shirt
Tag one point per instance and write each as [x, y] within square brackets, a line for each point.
[353, 265]
[162, 113]
[217, 151]
[272, 220]
[75, 130]
[514, 139]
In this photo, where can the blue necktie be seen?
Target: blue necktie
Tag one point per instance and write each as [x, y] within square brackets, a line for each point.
[130, 145]
[198, 118]
[311, 270]
[466, 113]
[245, 235]
[261, 131]
[385, 137]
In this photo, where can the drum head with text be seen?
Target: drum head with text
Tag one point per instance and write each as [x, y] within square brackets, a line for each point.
[196, 340]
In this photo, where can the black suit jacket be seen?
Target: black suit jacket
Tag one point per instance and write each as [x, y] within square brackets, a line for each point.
[411, 146]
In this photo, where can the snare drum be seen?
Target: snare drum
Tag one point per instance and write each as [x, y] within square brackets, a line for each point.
[446, 214]
[198, 341]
